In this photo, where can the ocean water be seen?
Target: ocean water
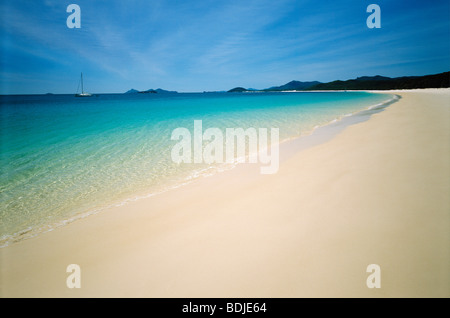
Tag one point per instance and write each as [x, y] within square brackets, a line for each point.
[64, 158]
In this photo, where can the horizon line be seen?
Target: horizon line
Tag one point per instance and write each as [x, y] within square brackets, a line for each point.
[225, 91]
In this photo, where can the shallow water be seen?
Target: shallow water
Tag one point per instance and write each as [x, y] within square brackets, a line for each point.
[64, 157]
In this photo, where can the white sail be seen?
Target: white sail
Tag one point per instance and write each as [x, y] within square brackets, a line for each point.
[83, 94]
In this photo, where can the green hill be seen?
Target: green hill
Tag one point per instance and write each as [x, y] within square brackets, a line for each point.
[384, 83]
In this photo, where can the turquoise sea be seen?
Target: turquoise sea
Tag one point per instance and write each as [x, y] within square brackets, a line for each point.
[64, 158]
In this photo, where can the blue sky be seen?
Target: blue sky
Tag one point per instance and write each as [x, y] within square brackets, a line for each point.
[215, 45]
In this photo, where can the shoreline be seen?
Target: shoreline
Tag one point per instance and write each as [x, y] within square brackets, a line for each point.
[288, 147]
[270, 236]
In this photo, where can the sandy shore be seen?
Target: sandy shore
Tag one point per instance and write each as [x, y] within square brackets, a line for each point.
[377, 193]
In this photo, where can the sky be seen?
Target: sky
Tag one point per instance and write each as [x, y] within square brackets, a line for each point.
[215, 45]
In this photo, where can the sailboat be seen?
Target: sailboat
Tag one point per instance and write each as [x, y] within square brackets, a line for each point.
[83, 94]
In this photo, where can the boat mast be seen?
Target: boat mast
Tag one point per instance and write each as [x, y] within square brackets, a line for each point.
[82, 89]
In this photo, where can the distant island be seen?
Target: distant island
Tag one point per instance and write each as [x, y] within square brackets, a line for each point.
[238, 90]
[362, 83]
[377, 82]
[150, 91]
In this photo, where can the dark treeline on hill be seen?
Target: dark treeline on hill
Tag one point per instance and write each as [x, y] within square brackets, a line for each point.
[293, 85]
[383, 83]
[364, 83]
